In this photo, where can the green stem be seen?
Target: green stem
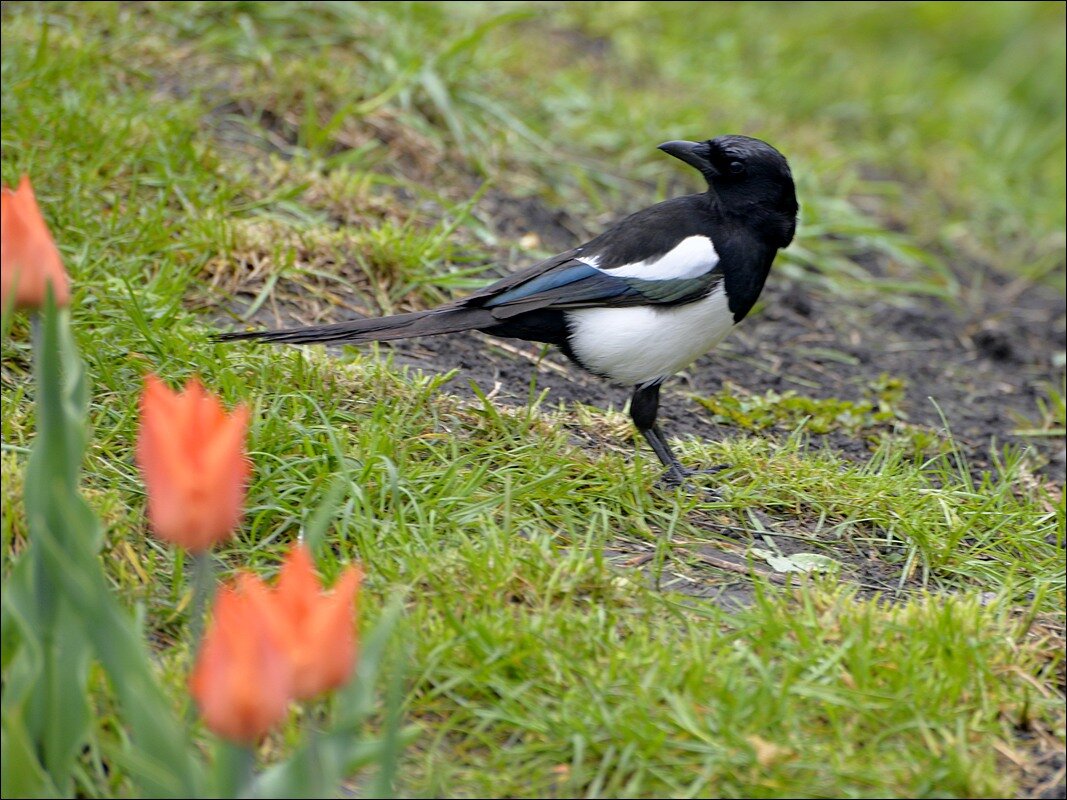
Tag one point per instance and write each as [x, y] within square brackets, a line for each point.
[316, 785]
[234, 769]
[47, 598]
[203, 594]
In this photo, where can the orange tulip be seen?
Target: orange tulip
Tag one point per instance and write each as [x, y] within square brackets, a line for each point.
[316, 630]
[29, 260]
[191, 453]
[242, 679]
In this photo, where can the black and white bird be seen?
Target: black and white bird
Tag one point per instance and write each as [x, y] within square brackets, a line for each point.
[642, 300]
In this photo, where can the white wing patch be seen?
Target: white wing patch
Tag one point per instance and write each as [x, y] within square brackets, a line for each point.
[690, 258]
[638, 344]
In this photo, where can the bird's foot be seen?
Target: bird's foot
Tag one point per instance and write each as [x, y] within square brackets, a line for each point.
[676, 476]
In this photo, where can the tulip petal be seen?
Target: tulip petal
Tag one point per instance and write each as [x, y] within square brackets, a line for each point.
[29, 258]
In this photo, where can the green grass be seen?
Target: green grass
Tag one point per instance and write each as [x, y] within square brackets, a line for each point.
[201, 161]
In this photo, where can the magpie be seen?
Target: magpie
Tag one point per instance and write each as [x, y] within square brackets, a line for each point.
[642, 300]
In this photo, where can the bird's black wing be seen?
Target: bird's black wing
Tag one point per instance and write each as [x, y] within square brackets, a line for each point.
[609, 271]
[577, 279]
[575, 284]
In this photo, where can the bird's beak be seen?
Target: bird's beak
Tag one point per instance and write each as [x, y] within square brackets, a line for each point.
[695, 154]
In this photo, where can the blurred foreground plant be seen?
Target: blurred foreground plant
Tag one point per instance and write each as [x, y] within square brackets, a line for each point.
[59, 614]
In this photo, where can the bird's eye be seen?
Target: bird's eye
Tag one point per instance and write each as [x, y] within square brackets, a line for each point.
[736, 167]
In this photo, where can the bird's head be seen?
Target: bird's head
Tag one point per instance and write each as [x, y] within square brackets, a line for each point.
[750, 179]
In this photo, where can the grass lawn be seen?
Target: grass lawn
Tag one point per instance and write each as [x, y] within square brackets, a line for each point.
[893, 410]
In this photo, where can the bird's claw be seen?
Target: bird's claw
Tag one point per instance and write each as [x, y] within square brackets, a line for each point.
[678, 477]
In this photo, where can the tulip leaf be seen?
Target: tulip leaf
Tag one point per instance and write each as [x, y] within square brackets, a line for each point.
[392, 746]
[22, 775]
[69, 715]
[55, 661]
[120, 647]
[355, 700]
[22, 646]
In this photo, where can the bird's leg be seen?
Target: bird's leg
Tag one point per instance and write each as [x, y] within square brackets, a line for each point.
[644, 406]
[676, 473]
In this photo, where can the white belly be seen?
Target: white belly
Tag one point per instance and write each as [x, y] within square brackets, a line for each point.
[640, 344]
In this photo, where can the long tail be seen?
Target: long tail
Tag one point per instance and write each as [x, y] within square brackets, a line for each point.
[401, 326]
